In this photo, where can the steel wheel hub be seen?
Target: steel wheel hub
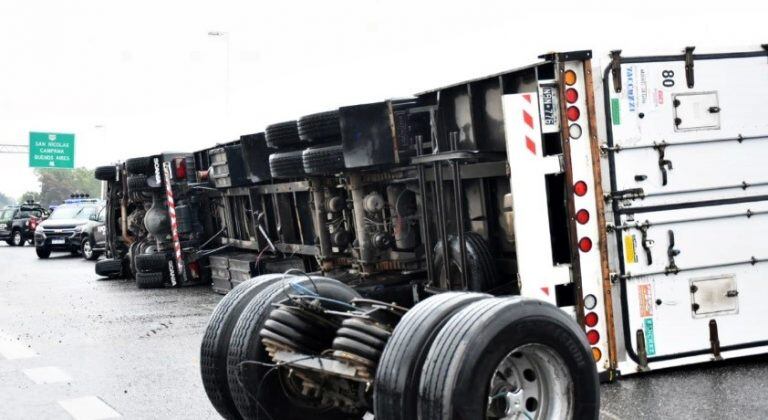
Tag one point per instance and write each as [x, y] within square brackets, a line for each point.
[531, 382]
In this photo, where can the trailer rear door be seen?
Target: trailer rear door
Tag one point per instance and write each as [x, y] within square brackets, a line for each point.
[687, 153]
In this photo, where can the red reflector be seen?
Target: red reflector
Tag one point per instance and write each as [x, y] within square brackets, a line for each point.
[194, 269]
[572, 113]
[181, 168]
[580, 188]
[571, 95]
[590, 319]
[585, 244]
[593, 337]
[582, 216]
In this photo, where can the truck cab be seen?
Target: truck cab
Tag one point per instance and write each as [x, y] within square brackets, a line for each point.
[152, 221]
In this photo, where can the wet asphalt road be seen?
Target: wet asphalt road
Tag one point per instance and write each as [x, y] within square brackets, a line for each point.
[136, 352]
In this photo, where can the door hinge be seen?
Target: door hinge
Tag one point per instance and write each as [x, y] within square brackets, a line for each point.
[616, 69]
[614, 277]
[714, 340]
[664, 164]
[671, 254]
[629, 194]
[646, 243]
[689, 66]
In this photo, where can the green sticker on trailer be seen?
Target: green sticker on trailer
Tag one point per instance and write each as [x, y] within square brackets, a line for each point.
[650, 341]
[615, 111]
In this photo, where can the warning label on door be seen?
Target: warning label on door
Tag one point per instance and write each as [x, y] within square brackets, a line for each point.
[630, 249]
[645, 300]
[650, 340]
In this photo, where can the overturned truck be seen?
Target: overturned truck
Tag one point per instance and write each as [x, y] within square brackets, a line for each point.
[390, 243]
[489, 249]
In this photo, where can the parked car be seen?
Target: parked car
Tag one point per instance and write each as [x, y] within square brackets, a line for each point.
[94, 236]
[18, 223]
[63, 230]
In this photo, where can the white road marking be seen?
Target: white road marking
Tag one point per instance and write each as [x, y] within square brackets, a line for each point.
[11, 348]
[89, 408]
[47, 375]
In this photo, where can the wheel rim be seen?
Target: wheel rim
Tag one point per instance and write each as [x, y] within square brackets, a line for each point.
[87, 250]
[531, 382]
[17, 238]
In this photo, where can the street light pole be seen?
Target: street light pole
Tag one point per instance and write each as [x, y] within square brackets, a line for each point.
[224, 35]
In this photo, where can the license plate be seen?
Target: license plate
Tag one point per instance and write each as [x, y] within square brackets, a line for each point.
[58, 241]
[3, 227]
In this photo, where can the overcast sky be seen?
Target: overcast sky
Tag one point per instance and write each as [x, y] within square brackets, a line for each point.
[136, 77]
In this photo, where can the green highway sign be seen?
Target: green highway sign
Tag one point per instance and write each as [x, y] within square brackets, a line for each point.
[51, 150]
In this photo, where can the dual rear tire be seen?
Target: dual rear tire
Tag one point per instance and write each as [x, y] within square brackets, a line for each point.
[233, 359]
[151, 270]
[456, 355]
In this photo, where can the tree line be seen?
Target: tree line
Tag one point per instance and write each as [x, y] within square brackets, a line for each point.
[56, 185]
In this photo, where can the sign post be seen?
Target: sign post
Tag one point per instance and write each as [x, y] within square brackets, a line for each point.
[51, 150]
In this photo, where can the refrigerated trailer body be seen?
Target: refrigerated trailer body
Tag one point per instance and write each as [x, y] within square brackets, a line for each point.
[666, 199]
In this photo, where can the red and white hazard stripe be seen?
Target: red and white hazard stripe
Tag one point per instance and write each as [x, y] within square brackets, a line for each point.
[172, 213]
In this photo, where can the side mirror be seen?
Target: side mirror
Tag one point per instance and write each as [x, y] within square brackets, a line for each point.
[94, 217]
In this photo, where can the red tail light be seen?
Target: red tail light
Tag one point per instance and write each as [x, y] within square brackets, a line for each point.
[194, 269]
[590, 319]
[582, 216]
[580, 188]
[593, 337]
[571, 95]
[181, 168]
[572, 113]
[585, 244]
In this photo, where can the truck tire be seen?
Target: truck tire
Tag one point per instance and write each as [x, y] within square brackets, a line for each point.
[152, 280]
[215, 345]
[322, 127]
[43, 252]
[396, 385]
[509, 354]
[323, 160]
[141, 165]
[105, 173]
[155, 262]
[109, 268]
[281, 135]
[286, 165]
[137, 183]
[482, 275]
[256, 393]
[131, 256]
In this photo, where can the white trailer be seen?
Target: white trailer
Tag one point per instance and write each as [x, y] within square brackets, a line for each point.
[667, 197]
